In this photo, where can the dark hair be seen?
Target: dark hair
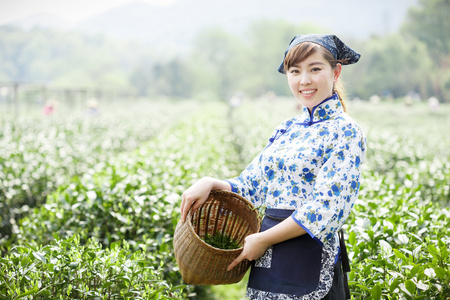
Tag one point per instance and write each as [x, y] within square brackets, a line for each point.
[302, 51]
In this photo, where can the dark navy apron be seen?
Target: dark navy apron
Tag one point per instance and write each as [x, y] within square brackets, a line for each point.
[290, 267]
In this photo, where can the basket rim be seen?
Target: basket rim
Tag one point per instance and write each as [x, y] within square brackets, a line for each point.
[191, 228]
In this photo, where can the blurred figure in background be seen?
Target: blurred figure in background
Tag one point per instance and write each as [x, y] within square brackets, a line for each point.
[433, 103]
[49, 108]
[93, 109]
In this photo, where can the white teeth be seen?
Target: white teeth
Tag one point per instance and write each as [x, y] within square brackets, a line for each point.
[308, 92]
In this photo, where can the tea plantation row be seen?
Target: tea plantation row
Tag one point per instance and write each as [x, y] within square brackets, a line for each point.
[106, 231]
[37, 156]
[130, 200]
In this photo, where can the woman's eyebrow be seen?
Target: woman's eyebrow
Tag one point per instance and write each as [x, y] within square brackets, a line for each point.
[316, 63]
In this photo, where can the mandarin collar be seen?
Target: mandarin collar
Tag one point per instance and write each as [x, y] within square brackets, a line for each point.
[323, 111]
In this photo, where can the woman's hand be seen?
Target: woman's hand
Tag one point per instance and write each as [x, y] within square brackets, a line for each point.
[195, 196]
[256, 244]
[254, 247]
[198, 193]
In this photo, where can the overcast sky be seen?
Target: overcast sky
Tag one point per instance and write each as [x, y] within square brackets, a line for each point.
[355, 18]
[69, 10]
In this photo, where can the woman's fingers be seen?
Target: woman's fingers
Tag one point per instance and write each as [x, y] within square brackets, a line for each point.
[254, 248]
[195, 196]
[235, 262]
[185, 205]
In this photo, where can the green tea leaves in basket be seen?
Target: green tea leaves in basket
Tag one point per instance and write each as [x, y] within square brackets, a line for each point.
[221, 241]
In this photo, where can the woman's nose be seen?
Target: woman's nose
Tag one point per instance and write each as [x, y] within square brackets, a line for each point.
[305, 79]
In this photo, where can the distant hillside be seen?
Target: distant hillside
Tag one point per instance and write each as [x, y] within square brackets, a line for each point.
[179, 22]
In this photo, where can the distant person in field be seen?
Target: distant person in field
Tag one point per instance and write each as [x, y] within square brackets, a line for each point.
[49, 108]
[307, 176]
[92, 105]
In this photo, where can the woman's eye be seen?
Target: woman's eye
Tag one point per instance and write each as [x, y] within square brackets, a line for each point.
[315, 69]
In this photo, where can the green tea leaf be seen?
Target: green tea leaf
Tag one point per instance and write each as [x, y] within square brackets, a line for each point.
[440, 272]
[40, 256]
[410, 286]
[375, 292]
[352, 238]
[400, 255]
[394, 284]
[34, 290]
[403, 239]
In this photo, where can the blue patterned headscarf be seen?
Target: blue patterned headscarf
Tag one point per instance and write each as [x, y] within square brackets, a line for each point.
[341, 52]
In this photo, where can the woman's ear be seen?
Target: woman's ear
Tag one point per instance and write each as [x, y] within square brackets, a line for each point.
[337, 72]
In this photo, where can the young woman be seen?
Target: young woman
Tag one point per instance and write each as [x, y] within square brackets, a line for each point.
[307, 177]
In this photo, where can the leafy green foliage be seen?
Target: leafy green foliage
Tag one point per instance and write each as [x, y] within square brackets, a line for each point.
[398, 231]
[46, 55]
[392, 65]
[428, 22]
[123, 198]
[134, 196]
[37, 157]
[221, 241]
[126, 207]
[66, 269]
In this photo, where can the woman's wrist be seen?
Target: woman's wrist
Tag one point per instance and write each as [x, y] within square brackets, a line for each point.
[265, 239]
[281, 232]
[268, 238]
[216, 184]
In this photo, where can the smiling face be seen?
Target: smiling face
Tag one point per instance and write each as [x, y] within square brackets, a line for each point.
[311, 79]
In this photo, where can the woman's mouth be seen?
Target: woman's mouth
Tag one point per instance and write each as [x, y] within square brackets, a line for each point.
[307, 92]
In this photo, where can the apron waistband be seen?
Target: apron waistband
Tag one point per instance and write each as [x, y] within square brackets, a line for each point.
[278, 214]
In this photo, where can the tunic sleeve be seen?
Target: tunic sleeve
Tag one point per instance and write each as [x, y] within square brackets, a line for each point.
[251, 183]
[336, 184]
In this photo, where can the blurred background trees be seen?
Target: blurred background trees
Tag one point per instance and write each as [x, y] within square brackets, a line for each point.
[430, 24]
[219, 64]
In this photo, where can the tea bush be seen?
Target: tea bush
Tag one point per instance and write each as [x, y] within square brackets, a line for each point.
[135, 196]
[398, 244]
[397, 236]
[37, 156]
[66, 269]
[126, 197]
[398, 231]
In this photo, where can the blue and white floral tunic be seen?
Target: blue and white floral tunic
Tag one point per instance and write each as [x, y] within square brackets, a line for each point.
[311, 165]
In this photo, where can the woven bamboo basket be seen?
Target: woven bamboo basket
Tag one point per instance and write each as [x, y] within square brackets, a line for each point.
[202, 264]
